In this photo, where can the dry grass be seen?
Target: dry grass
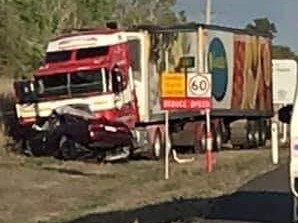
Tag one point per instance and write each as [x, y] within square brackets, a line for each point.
[42, 189]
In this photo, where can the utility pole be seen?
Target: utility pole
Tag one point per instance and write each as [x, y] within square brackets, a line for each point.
[208, 11]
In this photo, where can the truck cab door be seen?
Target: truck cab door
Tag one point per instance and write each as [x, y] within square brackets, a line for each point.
[139, 50]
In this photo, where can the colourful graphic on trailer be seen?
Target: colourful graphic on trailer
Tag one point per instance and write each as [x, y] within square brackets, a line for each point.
[217, 65]
[252, 74]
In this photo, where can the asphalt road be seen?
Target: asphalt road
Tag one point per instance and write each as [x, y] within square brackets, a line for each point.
[265, 199]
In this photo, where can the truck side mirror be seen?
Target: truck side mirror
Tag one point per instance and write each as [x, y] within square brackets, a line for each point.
[117, 81]
[285, 114]
[24, 91]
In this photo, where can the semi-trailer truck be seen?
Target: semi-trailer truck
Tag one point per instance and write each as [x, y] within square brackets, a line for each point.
[117, 74]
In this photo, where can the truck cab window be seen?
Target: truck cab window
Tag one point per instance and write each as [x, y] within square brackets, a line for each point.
[60, 56]
[135, 58]
[92, 52]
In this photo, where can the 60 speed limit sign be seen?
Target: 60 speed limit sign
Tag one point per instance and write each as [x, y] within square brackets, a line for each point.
[199, 85]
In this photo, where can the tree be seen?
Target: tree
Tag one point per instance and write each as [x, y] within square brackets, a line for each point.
[283, 52]
[265, 26]
[262, 25]
[148, 12]
[27, 25]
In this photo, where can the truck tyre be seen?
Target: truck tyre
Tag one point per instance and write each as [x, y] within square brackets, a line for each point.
[27, 148]
[18, 146]
[257, 135]
[262, 132]
[200, 140]
[217, 138]
[251, 134]
[158, 147]
[240, 134]
[67, 149]
[203, 143]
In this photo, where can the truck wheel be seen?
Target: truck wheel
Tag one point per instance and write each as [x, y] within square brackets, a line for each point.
[200, 140]
[203, 143]
[158, 148]
[18, 146]
[27, 148]
[251, 134]
[257, 134]
[262, 132]
[240, 135]
[67, 149]
[217, 138]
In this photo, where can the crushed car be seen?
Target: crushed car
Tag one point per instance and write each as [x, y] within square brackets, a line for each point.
[73, 132]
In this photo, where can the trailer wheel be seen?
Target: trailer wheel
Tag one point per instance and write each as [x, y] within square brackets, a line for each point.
[158, 148]
[200, 139]
[263, 132]
[217, 138]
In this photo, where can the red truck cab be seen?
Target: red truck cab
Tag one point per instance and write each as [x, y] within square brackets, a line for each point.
[84, 67]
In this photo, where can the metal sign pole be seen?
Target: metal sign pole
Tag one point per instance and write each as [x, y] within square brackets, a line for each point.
[167, 145]
[208, 12]
[167, 133]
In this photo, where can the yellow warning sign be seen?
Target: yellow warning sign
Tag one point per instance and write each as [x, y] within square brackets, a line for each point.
[173, 85]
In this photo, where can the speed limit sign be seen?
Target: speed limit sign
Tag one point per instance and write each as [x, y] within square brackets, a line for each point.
[199, 85]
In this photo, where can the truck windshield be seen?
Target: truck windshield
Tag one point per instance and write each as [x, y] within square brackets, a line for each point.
[86, 81]
[68, 84]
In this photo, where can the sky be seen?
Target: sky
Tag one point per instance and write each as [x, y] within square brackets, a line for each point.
[238, 13]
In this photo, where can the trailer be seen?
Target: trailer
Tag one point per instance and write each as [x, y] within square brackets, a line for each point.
[284, 77]
[284, 74]
[117, 74]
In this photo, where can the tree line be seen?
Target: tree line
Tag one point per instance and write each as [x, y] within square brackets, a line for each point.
[26, 25]
[264, 25]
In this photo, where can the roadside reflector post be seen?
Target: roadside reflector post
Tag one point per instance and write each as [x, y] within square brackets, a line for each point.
[274, 142]
[209, 142]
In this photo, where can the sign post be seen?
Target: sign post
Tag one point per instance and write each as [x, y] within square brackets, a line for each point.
[184, 92]
[167, 145]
